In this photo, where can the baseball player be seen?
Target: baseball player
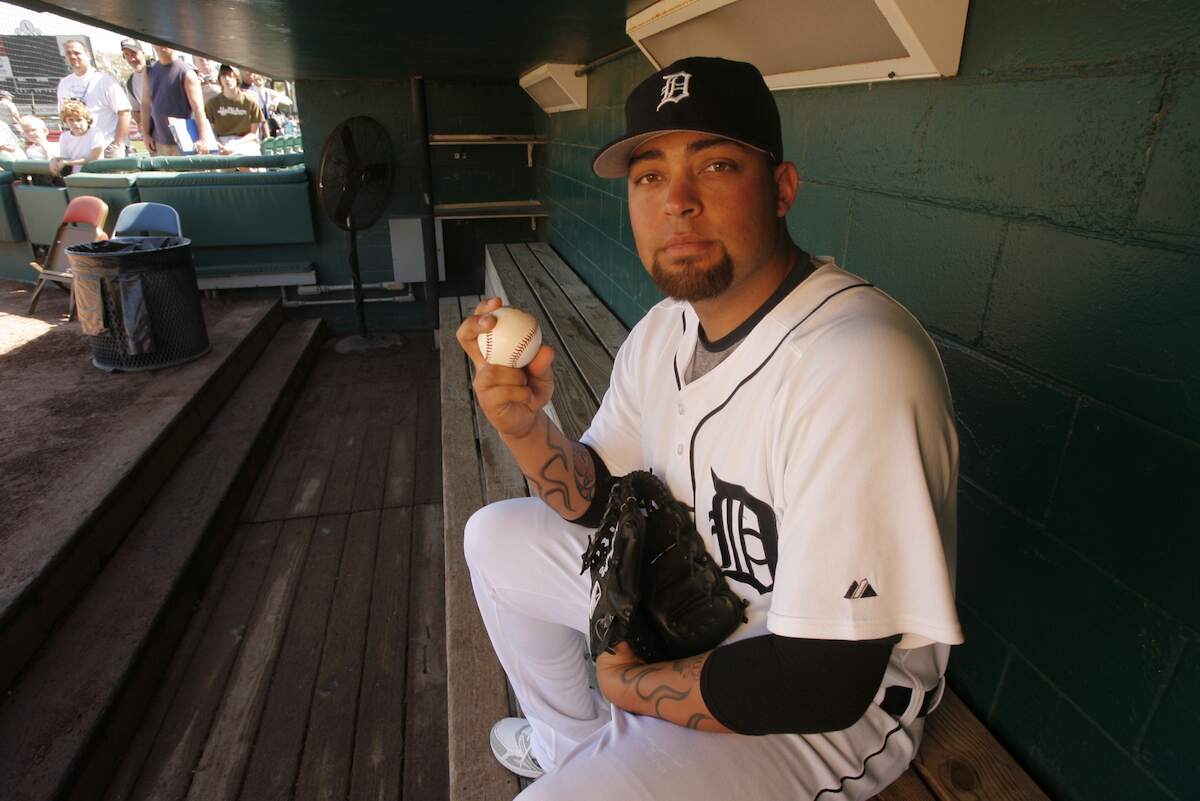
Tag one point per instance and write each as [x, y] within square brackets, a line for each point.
[804, 417]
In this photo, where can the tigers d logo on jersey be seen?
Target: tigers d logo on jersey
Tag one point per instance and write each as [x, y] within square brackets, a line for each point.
[746, 533]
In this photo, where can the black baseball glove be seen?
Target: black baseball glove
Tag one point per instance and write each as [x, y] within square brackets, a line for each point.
[654, 584]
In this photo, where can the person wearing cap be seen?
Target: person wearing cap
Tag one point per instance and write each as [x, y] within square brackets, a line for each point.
[236, 117]
[101, 93]
[136, 85]
[803, 415]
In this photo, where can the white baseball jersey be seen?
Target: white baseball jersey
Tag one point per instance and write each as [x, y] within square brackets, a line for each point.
[820, 460]
[101, 93]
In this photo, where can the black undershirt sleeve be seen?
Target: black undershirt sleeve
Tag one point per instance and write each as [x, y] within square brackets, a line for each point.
[604, 482]
[773, 685]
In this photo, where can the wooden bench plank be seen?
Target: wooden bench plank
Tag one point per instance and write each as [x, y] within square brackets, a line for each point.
[271, 771]
[325, 765]
[218, 775]
[572, 402]
[908, 787]
[961, 761]
[379, 739]
[425, 743]
[502, 479]
[609, 330]
[475, 682]
[580, 344]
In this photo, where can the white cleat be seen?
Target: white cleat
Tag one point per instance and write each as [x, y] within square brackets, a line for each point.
[511, 743]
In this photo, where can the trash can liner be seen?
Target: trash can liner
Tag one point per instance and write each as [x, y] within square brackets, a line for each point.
[145, 294]
[135, 315]
[89, 304]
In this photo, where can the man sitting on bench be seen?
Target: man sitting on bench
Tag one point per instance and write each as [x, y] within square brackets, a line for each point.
[805, 418]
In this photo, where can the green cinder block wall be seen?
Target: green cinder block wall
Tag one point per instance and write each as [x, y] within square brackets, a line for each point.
[1039, 213]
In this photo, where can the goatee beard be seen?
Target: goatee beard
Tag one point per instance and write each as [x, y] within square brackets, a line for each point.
[687, 282]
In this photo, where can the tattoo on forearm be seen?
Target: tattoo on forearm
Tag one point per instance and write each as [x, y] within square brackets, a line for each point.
[659, 693]
[690, 667]
[546, 485]
[585, 472]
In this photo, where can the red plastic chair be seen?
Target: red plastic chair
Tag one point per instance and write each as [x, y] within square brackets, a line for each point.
[83, 222]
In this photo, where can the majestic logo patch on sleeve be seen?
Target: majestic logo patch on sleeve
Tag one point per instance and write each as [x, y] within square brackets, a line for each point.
[746, 533]
[860, 589]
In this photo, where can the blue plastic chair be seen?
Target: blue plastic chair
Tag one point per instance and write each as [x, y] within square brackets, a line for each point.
[148, 219]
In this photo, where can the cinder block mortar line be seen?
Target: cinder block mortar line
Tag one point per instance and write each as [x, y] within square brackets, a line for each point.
[1156, 702]
[1162, 104]
[1016, 654]
[987, 300]
[1073, 70]
[1062, 460]
[1185, 628]
[1009, 652]
[1121, 237]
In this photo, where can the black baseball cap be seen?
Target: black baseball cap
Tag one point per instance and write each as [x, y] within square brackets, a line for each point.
[707, 95]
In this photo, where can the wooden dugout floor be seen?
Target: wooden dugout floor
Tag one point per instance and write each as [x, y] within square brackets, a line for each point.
[315, 666]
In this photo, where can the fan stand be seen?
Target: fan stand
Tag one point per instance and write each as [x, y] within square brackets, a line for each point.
[362, 340]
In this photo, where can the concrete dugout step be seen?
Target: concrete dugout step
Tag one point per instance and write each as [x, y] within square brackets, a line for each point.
[69, 715]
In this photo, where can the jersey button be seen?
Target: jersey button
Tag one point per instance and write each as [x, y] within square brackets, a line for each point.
[681, 408]
[679, 450]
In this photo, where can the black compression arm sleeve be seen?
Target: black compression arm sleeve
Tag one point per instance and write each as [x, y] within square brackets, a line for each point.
[604, 481]
[773, 684]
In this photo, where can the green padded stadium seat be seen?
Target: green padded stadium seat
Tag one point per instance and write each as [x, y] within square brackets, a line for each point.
[235, 208]
[11, 229]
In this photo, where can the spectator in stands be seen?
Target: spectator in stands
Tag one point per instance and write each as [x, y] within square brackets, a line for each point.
[236, 117]
[174, 92]
[253, 84]
[10, 148]
[81, 141]
[37, 141]
[101, 93]
[210, 86]
[135, 57]
[6, 102]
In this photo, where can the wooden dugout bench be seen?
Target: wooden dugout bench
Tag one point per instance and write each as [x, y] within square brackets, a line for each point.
[958, 760]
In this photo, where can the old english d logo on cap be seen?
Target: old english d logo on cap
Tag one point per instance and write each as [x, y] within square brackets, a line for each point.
[675, 88]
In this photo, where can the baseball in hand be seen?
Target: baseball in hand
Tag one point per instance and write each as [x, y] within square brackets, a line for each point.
[513, 341]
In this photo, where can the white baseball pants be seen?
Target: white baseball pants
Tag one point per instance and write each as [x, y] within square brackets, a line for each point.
[525, 565]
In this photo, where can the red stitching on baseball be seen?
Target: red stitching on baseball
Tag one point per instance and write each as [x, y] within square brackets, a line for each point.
[487, 340]
[512, 362]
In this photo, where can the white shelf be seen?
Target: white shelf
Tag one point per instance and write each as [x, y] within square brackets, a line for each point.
[529, 140]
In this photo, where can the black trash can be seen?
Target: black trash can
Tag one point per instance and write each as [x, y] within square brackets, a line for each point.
[138, 301]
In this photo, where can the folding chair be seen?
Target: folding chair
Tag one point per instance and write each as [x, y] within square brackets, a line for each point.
[83, 222]
[148, 219]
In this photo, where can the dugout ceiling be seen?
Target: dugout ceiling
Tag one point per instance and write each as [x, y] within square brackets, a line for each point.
[378, 39]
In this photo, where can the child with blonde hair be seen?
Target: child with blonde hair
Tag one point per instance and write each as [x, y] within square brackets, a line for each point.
[80, 142]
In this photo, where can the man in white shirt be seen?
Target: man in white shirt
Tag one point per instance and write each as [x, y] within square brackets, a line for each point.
[101, 93]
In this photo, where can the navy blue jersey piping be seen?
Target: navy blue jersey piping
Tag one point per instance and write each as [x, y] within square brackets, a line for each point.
[842, 781]
[754, 372]
[675, 358]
